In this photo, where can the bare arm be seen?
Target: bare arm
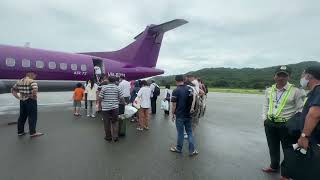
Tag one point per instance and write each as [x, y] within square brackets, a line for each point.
[174, 106]
[312, 120]
[15, 93]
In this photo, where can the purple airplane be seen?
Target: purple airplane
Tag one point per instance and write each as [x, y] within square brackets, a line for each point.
[60, 70]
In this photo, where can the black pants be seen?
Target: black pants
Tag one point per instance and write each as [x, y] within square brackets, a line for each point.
[85, 100]
[154, 105]
[28, 110]
[122, 106]
[278, 133]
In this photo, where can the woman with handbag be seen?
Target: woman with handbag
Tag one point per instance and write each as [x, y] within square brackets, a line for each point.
[166, 99]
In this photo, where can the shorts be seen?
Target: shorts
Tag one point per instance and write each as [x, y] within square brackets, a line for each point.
[77, 104]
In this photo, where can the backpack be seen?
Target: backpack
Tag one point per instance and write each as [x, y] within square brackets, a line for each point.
[190, 98]
[156, 91]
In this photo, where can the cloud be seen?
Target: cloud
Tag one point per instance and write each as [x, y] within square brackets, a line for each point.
[231, 33]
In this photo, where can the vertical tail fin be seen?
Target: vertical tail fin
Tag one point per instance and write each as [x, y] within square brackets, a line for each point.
[144, 51]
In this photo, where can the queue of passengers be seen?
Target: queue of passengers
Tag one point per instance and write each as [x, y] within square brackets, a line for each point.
[139, 93]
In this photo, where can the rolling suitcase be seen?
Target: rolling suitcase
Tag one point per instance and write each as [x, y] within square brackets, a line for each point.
[122, 126]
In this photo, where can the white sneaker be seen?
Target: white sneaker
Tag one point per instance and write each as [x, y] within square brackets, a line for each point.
[88, 115]
[93, 116]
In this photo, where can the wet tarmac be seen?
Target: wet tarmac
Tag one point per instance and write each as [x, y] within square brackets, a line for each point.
[230, 139]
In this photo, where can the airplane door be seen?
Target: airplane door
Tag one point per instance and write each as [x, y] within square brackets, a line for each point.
[99, 63]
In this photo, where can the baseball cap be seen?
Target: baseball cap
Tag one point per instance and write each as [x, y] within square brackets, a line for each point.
[283, 69]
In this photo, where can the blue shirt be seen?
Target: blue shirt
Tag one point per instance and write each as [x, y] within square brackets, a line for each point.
[313, 100]
[182, 96]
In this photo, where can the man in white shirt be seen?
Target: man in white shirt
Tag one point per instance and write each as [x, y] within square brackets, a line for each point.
[97, 71]
[124, 86]
[282, 101]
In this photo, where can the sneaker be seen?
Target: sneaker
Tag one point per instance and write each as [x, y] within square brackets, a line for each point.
[146, 128]
[93, 116]
[175, 149]
[21, 134]
[88, 115]
[194, 153]
[36, 135]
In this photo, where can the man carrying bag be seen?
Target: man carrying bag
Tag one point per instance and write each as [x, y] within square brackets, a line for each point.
[305, 160]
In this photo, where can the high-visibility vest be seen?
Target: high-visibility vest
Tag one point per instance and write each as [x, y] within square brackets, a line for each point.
[276, 117]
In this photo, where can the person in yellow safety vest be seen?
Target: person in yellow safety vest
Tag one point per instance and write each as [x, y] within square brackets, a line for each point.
[283, 100]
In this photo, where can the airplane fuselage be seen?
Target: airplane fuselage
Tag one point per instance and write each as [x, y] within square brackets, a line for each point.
[59, 70]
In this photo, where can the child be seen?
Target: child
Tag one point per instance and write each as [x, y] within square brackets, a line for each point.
[77, 97]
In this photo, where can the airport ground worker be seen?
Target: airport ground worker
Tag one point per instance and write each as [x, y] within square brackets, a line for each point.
[28, 90]
[283, 100]
[308, 167]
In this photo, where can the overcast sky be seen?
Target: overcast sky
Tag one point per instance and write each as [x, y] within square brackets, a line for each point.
[229, 33]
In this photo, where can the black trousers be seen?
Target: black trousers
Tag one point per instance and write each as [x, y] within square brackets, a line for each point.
[278, 133]
[85, 100]
[154, 105]
[28, 110]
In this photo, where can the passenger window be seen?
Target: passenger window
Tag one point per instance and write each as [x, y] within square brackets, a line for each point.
[63, 66]
[52, 65]
[26, 63]
[74, 67]
[83, 67]
[10, 62]
[39, 64]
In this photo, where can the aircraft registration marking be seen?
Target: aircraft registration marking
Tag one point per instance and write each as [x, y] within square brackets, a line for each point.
[79, 73]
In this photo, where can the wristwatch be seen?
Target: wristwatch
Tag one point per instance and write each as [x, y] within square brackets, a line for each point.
[304, 135]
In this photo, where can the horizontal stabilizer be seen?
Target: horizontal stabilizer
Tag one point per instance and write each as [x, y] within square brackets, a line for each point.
[164, 27]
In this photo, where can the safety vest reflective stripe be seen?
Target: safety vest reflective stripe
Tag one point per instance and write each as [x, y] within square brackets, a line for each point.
[282, 104]
[305, 101]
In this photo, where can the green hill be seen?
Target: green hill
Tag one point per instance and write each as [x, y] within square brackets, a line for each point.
[249, 78]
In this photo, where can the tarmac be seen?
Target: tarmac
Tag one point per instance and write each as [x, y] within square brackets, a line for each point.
[230, 139]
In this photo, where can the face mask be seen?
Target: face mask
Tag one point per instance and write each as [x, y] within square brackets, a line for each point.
[304, 82]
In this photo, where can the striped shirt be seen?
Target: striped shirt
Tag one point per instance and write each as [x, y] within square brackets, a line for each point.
[25, 87]
[110, 95]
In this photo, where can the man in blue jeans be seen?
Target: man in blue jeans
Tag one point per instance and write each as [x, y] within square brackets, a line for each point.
[182, 102]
